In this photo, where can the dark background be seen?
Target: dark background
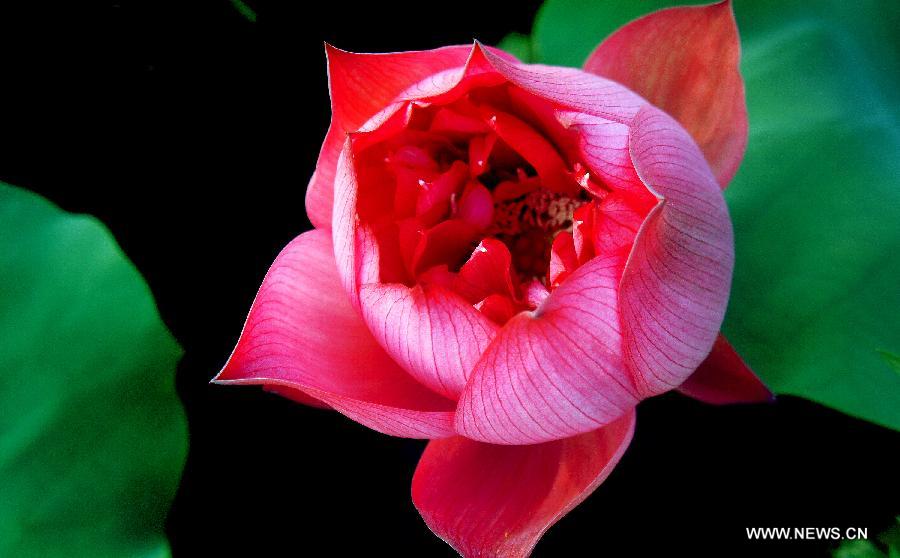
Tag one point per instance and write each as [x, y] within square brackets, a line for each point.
[191, 132]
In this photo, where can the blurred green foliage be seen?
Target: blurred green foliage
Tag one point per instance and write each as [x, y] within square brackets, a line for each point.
[518, 45]
[245, 10]
[816, 203]
[92, 435]
[883, 545]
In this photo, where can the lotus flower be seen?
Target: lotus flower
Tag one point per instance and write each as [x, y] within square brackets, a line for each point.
[507, 258]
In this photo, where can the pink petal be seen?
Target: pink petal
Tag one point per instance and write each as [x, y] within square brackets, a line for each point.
[432, 332]
[303, 334]
[355, 247]
[725, 378]
[555, 372]
[320, 190]
[536, 293]
[676, 283]
[603, 145]
[686, 62]
[492, 501]
[568, 87]
[488, 271]
[617, 223]
[361, 85]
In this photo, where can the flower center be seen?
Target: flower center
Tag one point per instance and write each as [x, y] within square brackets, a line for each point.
[473, 197]
[529, 223]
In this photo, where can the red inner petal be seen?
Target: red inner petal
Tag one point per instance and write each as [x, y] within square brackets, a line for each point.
[536, 149]
[433, 203]
[476, 205]
[488, 271]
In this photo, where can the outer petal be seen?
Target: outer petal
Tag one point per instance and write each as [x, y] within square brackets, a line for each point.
[555, 372]
[568, 87]
[603, 145]
[320, 190]
[361, 85]
[686, 61]
[675, 286]
[435, 334]
[303, 334]
[725, 378]
[355, 247]
[497, 501]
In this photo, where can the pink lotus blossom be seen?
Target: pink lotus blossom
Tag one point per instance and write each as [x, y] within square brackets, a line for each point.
[508, 258]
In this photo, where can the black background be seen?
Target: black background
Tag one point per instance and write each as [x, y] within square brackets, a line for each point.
[191, 132]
